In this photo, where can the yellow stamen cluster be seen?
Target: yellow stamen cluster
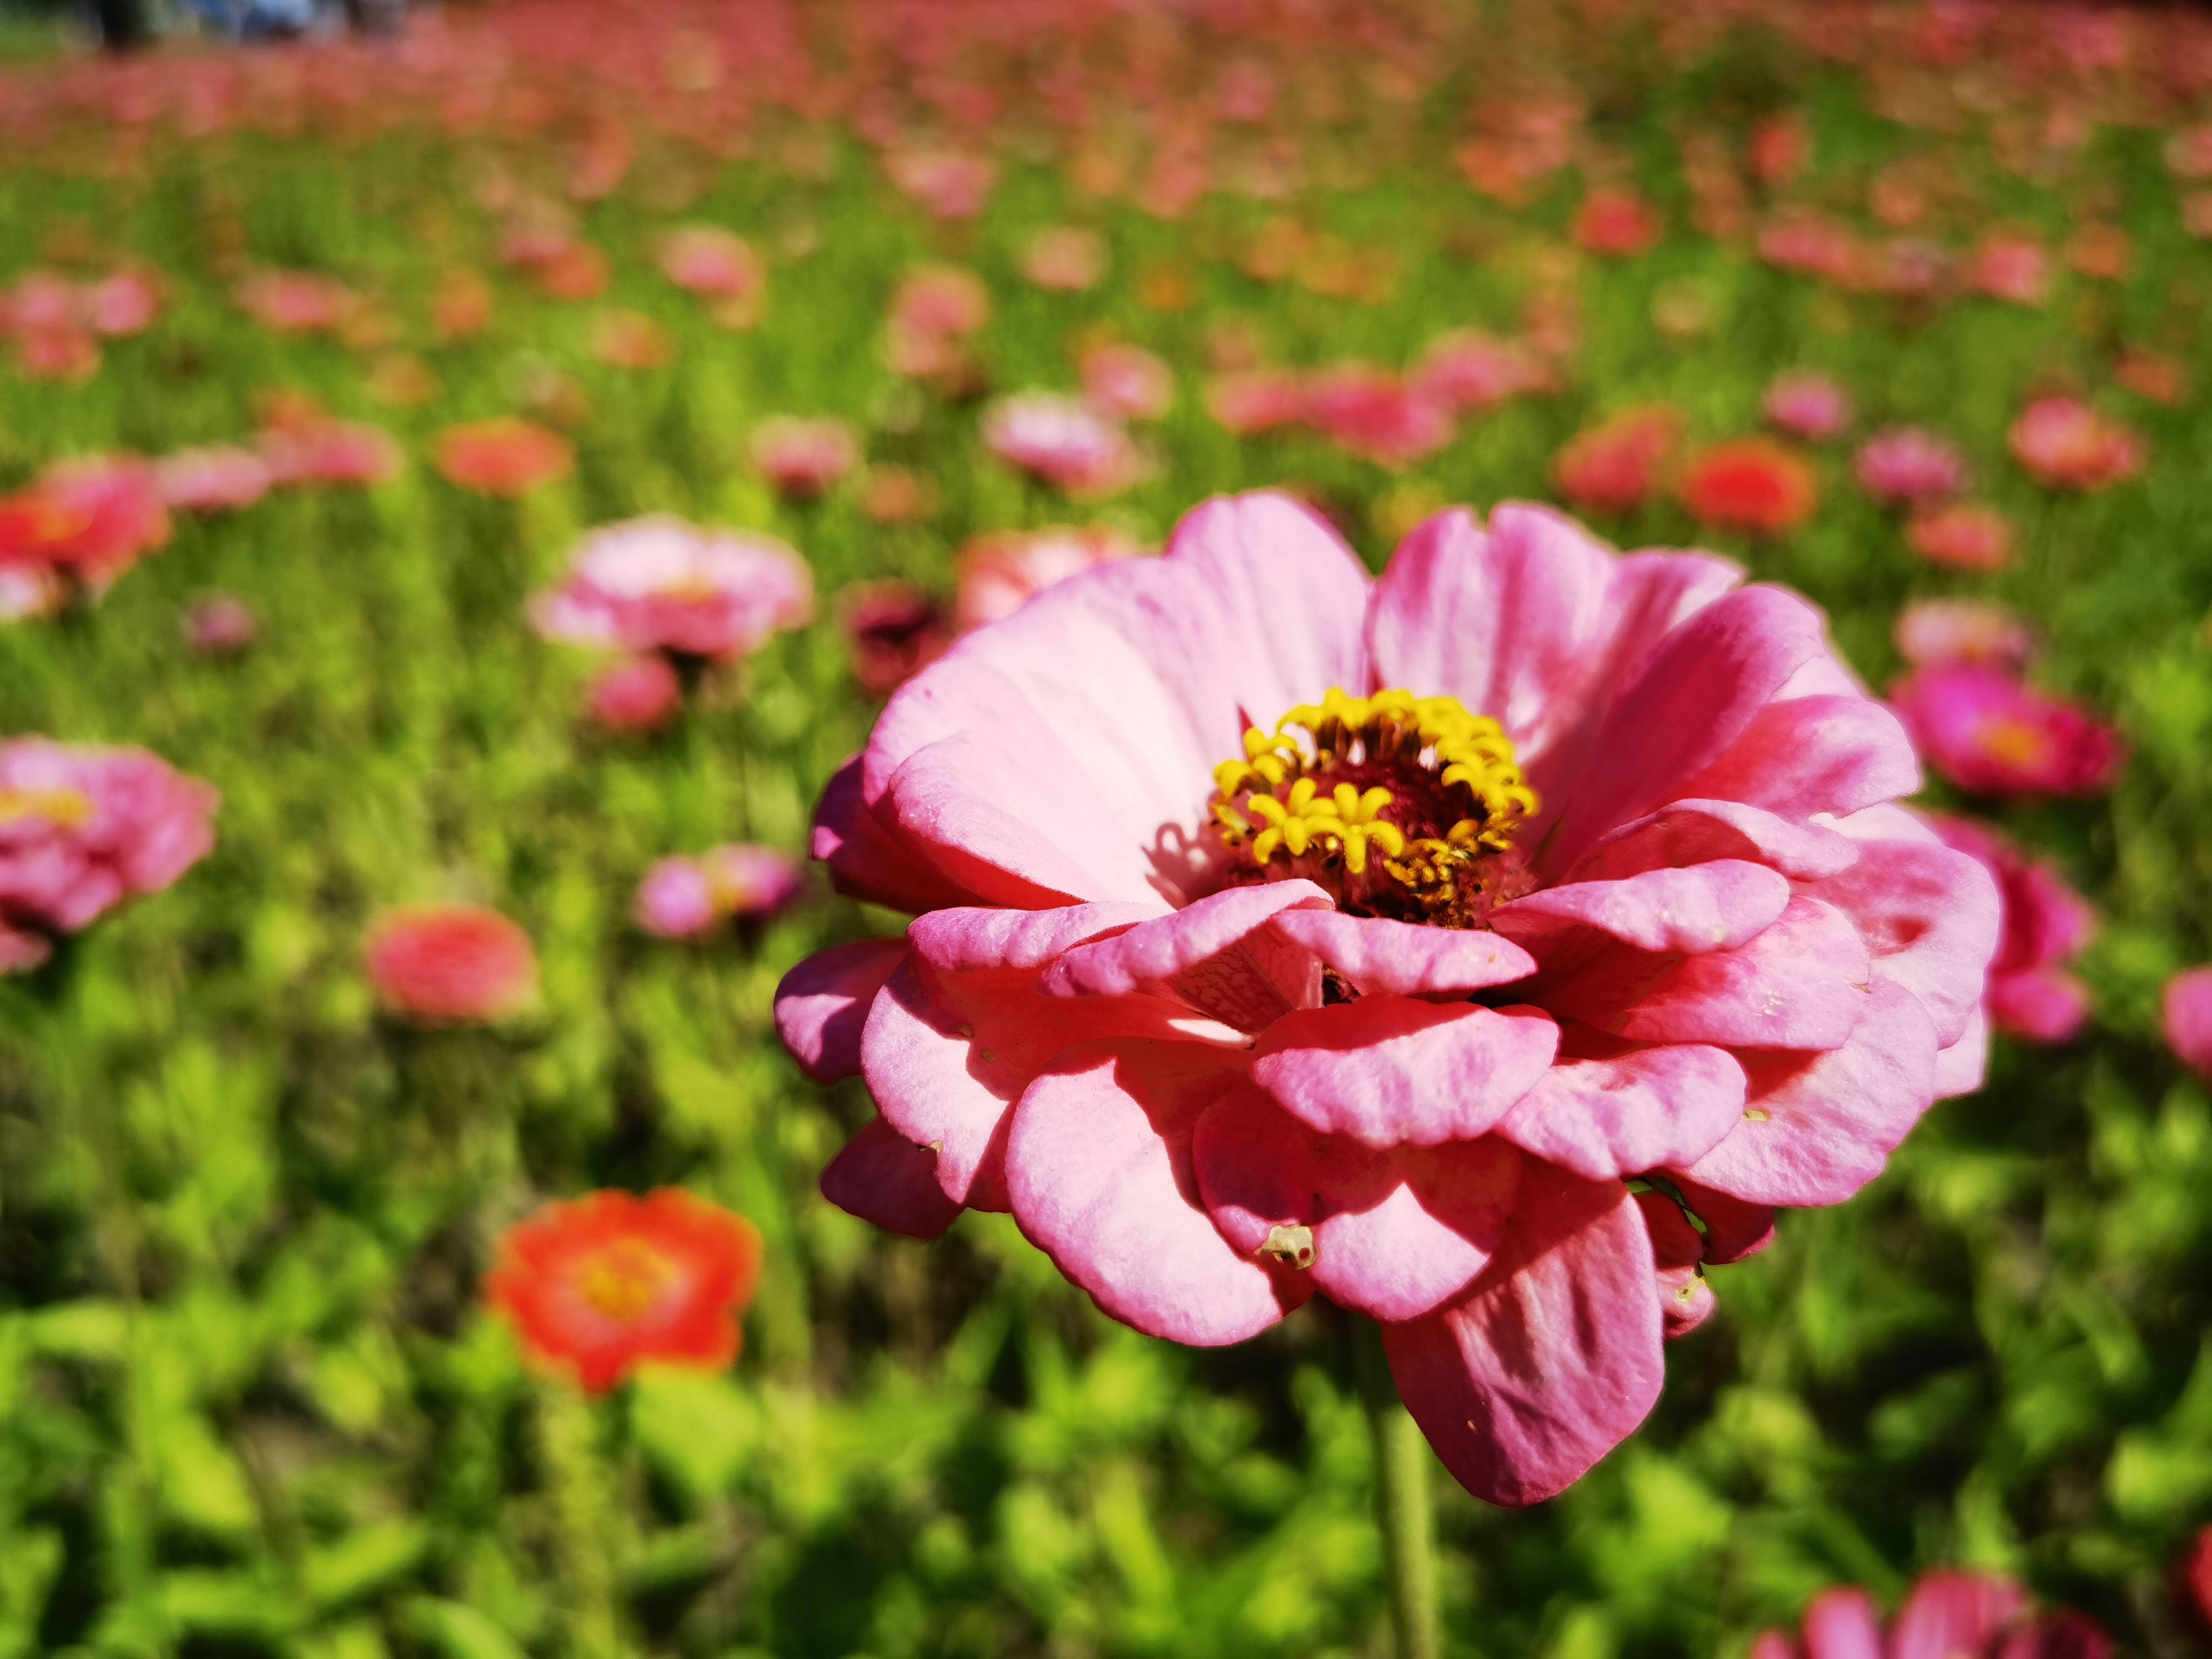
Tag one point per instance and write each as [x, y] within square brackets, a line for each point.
[625, 1279]
[1272, 800]
[70, 808]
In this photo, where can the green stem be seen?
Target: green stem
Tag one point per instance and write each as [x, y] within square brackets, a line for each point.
[579, 1521]
[1402, 1498]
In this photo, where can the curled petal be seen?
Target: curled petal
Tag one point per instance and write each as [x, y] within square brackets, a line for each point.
[1686, 832]
[1707, 906]
[822, 1005]
[867, 860]
[1216, 955]
[1099, 1167]
[979, 939]
[1393, 1233]
[1607, 1110]
[1390, 1071]
[882, 1178]
[1929, 918]
[1685, 1300]
[1816, 1128]
[1734, 1228]
[1553, 1357]
[1382, 958]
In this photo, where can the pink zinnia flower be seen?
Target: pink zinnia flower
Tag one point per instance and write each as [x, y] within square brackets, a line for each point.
[90, 519]
[1065, 257]
[659, 584]
[1910, 466]
[1810, 244]
[1931, 633]
[998, 573]
[2066, 444]
[124, 303]
[639, 694]
[296, 301]
[686, 897]
[2186, 1012]
[82, 829]
[1990, 734]
[1807, 405]
[1257, 399]
[218, 478]
[801, 457]
[331, 453]
[1963, 536]
[949, 185]
[457, 963]
[1949, 1615]
[710, 261]
[1380, 417]
[2030, 994]
[1063, 441]
[893, 629]
[1617, 223]
[505, 455]
[1611, 468]
[933, 311]
[1128, 382]
[1751, 485]
[1469, 372]
[2010, 266]
[1196, 1000]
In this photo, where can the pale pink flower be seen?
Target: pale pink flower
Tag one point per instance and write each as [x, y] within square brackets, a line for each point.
[124, 303]
[2011, 266]
[216, 478]
[710, 261]
[1128, 382]
[296, 301]
[638, 694]
[28, 590]
[659, 584]
[1950, 1614]
[330, 452]
[950, 185]
[933, 313]
[2031, 994]
[801, 457]
[1469, 372]
[684, 897]
[2066, 444]
[1216, 1056]
[1962, 535]
[998, 573]
[1810, 244]
[82, 828]
[2187, 1020]
[1065, 257]
[1252, 400]
[1992, 735]
[1910, 466]
[1807, 405]
[1932, 632]
[676, 900]
[1062, 440]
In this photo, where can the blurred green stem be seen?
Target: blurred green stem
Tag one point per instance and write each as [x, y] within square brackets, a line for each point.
[1403, 1503]
[582, 1545]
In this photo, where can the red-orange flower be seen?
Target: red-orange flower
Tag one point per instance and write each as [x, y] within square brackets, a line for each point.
[1750, 483]
[503, 456]
[451, 962]
[599, 1285]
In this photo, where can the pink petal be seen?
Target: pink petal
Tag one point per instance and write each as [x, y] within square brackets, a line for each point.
[1734, 1229]
[1843, 1624]
[1389, 1070]
[1098, 1167]
[1398, 958]
[1685, 1300]
[1929, 917]
[1773, 1645]
[867, 860]
[1718, 906]
[1393, 1233]
[1693, 697]
[947, 1055]
[1949, 1613]
[975, 939]
[882, 1178]
[1961, 1068]
[1606, 1110]
[1809, 755]
[973, 807]
[1216, 955]
[822, 1005]
[1686, 832]
[1801, 984]
[1553, 1357]
[1504, 621]
[2043, 1005]
[1829, 1119]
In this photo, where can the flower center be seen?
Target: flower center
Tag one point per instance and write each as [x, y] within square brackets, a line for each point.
[1400, 806]
[625, 1279]
[68, 809]
[2014, 742]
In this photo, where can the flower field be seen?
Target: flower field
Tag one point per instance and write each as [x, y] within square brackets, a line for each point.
[465, 499]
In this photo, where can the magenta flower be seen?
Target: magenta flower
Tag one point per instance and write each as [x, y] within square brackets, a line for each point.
[1286, 931]
[216, 478]
[2066, 444]
[2046, 922]
[1127, 381]
[802, 456]
[1949, 1615]
[2187, 1018]
[659, 584]
[1066, 443]
[685, 897]
[1931, 633]
[1990, 734]
[638, 694]
[82, 829]
[1380, 417]
[1910, 466]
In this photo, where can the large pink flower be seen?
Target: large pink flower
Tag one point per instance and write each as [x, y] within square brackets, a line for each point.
[1282, 930]
[1949, 1615]
[1992, 734]
[82, 829]
[659, 584]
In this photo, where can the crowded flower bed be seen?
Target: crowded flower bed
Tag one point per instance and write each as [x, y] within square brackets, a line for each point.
[810, 814]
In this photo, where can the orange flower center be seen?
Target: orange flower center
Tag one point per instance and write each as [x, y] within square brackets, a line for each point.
[2016, 742]
[625, 1279]
[69, 808]
[1399, 805]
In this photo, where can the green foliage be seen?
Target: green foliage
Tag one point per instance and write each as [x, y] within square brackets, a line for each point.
[248, 1401]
